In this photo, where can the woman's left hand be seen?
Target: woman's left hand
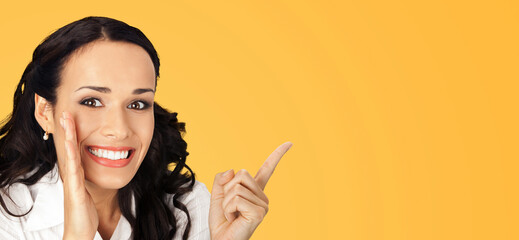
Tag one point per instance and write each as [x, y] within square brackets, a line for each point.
[238, 203]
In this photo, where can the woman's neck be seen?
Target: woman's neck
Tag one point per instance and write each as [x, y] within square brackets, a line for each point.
[105, 201]
[107, 207]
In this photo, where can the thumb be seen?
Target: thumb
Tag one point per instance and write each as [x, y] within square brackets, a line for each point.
[219, 181]
[217, 194]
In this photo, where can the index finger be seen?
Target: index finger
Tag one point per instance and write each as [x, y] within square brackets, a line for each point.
[70, 129]
[266, 170]
[72, 161]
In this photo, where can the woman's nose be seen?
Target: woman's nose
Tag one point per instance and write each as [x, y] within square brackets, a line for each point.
[115, 125]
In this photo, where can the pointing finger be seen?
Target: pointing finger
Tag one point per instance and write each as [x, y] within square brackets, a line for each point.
[74, 172]
[266, 170]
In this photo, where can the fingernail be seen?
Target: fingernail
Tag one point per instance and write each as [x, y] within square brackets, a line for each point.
[225, 174]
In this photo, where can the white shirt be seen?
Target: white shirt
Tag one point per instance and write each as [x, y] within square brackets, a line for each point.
[46, 219]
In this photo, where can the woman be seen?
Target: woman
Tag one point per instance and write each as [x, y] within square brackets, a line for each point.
[86, 150]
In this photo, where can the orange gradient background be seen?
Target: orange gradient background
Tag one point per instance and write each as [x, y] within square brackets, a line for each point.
[403, 114]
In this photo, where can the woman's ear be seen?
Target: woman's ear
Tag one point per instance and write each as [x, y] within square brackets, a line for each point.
[43, 113]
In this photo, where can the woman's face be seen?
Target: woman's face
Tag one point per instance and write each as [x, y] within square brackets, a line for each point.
[109, 88]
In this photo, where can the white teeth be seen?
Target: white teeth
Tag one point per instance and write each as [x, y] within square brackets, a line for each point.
[112, 155]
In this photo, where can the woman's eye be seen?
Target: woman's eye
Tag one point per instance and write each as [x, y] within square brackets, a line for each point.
[92, 102]
[139, 105]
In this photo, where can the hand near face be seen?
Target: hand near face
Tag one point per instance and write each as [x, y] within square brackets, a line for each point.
[81, 220]
[238, 203]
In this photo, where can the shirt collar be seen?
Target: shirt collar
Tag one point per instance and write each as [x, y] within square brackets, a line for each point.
[47, 195]
[48, 206]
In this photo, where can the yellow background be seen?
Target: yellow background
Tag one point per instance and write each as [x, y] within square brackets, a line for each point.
[403, 114]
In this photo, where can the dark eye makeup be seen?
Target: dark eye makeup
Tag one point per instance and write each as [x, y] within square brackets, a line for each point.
[94, 103]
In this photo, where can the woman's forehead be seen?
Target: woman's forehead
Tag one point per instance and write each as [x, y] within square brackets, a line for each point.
[109, 63]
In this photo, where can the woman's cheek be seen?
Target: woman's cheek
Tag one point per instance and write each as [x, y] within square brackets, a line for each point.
[142, 125]
[86, 122]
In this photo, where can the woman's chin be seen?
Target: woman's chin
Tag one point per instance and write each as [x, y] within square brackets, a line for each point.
[108, 178]
[107, 182]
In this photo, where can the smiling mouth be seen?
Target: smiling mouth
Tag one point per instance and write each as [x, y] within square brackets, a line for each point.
[111, 154]
[114, 157]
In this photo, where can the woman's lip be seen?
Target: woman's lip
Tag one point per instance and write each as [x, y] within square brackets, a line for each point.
[111, 163]
[111, 148]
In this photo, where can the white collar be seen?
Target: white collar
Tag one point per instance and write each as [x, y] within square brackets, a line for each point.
[48, 206]
[47, 210]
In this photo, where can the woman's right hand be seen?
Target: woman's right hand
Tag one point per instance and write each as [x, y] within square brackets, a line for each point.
[81, 220]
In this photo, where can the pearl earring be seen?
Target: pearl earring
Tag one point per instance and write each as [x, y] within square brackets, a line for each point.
[45, 136]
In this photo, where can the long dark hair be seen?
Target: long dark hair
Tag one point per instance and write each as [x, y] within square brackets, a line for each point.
[22, 151]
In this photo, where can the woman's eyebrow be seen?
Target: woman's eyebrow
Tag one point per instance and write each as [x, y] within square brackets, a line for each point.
[142, 90]
[99, 89]
[107, 90]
